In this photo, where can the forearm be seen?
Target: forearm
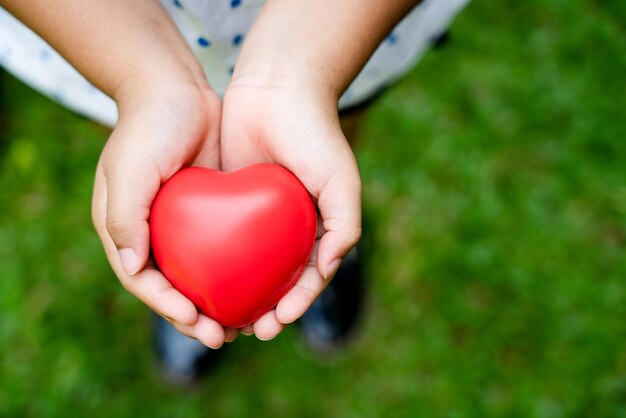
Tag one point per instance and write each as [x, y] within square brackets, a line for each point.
[324, 43]
[111, 42]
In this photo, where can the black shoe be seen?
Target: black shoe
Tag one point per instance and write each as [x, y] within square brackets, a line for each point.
[329, 322]
[182, 359]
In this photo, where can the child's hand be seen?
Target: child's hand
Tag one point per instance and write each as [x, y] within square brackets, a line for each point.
[162, 128]
[168, 118]
[132, 51]
[281, 107]
[298, 129]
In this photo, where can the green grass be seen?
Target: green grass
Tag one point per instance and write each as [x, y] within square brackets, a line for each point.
[495, 198]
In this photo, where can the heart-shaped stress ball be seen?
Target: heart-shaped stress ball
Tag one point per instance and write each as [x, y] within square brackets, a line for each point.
[233, 243]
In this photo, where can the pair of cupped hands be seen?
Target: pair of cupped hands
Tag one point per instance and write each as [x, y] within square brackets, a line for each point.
[167, 124]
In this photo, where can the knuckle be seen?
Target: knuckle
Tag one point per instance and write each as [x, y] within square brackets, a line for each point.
[117, 227]
[355, 236]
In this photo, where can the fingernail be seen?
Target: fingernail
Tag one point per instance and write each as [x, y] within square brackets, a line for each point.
[130, 260]
[332, 268]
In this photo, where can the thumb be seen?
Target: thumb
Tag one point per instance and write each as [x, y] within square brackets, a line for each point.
[339, 203]
[131, 188]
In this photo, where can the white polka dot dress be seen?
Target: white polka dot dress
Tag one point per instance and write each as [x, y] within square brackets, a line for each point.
[215, 30]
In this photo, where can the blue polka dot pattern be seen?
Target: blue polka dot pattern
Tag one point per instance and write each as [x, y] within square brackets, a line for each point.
[216, 31]
[45, 55]
[204, 42]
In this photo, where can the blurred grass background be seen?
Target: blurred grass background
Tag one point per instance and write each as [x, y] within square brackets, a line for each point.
[495, 198]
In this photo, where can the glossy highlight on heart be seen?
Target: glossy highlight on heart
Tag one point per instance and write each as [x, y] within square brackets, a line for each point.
[233, 243]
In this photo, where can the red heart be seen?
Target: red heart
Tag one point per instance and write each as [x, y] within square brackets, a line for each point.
[233, 243]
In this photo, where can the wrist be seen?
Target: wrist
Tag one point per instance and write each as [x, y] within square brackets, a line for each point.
[270, 58]
[285, 79]
[321, 43]
[148, 89]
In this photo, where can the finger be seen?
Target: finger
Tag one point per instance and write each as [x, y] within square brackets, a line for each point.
[153, 289]
[205, 330]
[268, 326]
[132, 182]
[296, 302]
[150, 286]
[339, 204]
[231, 334]
[247, 330]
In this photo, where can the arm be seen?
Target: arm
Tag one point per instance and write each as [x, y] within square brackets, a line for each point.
[324, 43]
[168, 118]
[111, 42]
[281, 106]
